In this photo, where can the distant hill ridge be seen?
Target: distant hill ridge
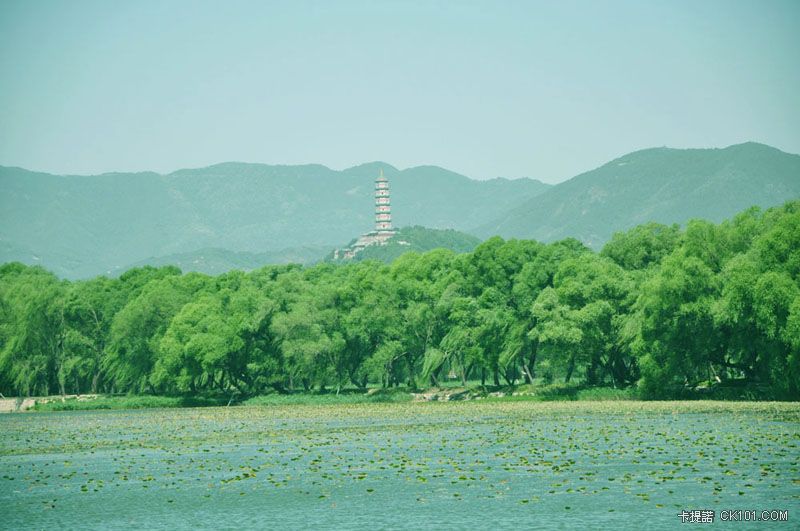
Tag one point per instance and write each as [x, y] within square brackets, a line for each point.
[80, 226]
[658, 184]
[214, 261]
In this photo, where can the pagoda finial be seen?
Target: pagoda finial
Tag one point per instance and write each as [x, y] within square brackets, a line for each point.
[381, 172]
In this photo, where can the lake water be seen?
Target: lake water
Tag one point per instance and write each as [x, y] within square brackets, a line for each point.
[501, 465]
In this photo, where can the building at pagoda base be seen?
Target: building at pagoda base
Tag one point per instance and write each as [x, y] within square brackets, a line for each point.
[363, 241]
[383, 223]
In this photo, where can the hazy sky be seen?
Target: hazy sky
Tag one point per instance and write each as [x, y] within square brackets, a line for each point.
[539, 89]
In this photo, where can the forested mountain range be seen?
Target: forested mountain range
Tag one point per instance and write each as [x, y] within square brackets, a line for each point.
[237, 215]
[660, 184]
[79, 226]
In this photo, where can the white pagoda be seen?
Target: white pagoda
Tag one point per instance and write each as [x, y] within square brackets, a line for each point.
[383, 206]
[383, 222]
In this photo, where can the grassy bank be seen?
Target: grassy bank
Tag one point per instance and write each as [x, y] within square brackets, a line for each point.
[558, 392]
[149, 402]
[381, 396]
[126, 402]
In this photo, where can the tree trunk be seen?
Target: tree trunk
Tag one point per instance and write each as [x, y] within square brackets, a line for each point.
[410, 364]
[509, 377]
[62, 382]
[95, 380]
[570, 369]
[386, 379]
[591, 372]
[526, 373]
[531, 364]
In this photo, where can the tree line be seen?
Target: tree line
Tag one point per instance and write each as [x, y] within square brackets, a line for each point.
[660, 307]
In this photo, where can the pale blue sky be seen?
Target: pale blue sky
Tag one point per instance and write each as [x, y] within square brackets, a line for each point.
[539, 89]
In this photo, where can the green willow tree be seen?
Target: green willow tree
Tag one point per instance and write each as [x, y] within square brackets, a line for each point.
[668, 310]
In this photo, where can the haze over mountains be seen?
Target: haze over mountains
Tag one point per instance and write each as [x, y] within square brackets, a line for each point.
[659, 184]
[80, 226]
[242, 214]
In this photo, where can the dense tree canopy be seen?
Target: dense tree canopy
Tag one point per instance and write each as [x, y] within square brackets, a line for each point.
[660, 308]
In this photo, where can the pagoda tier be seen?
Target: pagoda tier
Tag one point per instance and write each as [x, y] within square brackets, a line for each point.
[383, 209]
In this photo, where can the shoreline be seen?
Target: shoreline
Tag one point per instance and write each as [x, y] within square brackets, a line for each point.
[352, 397]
